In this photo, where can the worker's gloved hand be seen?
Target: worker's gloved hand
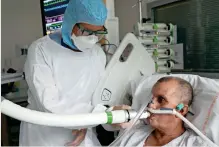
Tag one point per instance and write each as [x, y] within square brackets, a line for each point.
[80, 135]
[122, 107]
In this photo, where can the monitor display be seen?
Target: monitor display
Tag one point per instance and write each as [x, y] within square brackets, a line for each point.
[52, 14]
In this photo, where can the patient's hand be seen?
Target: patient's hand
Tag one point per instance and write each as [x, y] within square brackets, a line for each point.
[80, 135]
[122, 107]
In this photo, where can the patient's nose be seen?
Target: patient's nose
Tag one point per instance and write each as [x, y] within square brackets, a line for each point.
[152, 104]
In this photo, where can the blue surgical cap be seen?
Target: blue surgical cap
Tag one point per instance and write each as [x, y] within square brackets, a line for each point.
[92, 12]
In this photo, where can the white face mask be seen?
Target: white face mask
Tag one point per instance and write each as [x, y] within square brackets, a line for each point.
[84, 43]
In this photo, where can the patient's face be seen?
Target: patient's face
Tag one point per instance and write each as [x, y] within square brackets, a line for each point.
[165, 95]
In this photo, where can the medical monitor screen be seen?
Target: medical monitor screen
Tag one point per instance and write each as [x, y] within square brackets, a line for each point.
[52, 14]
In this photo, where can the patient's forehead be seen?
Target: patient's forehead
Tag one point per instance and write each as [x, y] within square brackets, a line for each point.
[169, 89]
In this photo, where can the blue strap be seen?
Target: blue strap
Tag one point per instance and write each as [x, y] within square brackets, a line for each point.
[166, 109]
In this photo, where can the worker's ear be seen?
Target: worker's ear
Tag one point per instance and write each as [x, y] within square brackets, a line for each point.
[75, 30]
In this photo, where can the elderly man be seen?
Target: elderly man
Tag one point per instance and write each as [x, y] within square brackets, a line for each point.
[166, 130]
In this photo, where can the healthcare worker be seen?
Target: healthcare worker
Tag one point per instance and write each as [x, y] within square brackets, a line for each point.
[62, 71]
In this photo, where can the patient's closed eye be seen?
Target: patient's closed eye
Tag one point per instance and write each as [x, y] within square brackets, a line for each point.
[160, 99]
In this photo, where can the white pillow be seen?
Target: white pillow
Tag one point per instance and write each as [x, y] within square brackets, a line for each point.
[205, 105]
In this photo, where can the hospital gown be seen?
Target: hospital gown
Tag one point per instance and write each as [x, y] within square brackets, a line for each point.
[136, 137]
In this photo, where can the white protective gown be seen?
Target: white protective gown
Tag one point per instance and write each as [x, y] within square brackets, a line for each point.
[60, 81]
[136, 137]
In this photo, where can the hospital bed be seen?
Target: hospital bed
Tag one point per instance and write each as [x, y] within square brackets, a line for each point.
[131, 71]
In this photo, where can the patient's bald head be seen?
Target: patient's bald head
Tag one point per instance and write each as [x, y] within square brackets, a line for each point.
[183, 89]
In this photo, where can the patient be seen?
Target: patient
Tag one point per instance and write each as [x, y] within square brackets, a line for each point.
[166, 130]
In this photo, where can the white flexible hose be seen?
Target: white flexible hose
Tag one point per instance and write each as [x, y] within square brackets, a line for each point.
[75, 121]
[57, 120]
[49, 119]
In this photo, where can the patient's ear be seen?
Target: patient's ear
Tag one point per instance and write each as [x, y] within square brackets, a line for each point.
[184, 110]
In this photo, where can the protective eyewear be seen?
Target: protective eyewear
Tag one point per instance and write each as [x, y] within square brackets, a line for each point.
[85, 32]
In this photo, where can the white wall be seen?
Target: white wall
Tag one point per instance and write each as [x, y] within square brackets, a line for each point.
[127, 15]
[21, 24]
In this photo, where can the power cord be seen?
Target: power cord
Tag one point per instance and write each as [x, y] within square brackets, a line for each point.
[108, 44]
[107, 51]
